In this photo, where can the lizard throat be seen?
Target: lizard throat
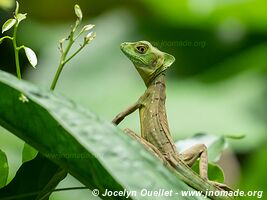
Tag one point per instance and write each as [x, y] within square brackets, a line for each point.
[153, 78]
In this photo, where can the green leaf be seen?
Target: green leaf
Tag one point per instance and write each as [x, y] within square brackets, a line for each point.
[3, 169]
[235, 137]
[28, 153]
[94, 151]
[216, 148]
[8, 25]
[34, 179]
[21, 17]
[31, 56]
[78, 11]
[215, 172]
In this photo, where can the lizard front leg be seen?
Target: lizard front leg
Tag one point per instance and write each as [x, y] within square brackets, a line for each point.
[150, 147]
[128, 111]
[131, 109]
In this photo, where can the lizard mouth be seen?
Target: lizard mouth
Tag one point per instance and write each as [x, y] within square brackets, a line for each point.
[137, 60]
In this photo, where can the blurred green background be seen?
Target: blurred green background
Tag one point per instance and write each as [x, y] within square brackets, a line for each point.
[217, 84]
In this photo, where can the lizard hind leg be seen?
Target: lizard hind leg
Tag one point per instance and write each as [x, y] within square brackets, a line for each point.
[150, 147]
[190, 155]
[200, 151]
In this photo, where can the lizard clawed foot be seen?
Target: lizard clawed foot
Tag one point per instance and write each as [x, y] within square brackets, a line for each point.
[221, 186]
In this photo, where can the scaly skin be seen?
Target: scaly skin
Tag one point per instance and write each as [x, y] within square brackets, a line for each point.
[153, 117]
[155, 135]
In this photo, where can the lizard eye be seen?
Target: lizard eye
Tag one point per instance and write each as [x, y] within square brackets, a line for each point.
[141, 49]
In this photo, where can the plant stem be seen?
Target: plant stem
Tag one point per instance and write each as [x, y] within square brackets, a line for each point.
[62, 63]
[78, 50]
[64, 60]
[6, 37]
[59, 69]
[16, 51]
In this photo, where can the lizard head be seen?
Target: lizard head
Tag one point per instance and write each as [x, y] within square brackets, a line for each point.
[147, 59]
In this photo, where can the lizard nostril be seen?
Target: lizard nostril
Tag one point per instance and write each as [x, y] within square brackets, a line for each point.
[122, 45]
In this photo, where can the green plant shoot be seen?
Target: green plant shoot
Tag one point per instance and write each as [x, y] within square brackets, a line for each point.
[14, 22]
[31, 56]
[72, 37]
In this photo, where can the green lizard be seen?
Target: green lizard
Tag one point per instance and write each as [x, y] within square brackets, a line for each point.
[151, 64]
